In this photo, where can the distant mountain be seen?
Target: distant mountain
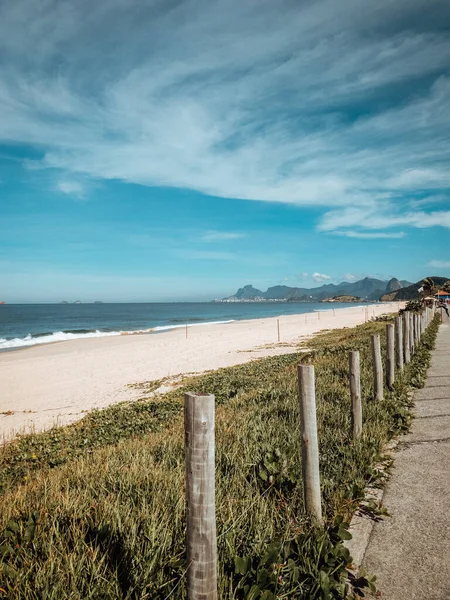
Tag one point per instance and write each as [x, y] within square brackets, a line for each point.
[248, 292]
[367, 288]
[393, 285]
[412, 291]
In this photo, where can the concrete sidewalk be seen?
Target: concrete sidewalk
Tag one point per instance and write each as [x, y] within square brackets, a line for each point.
[410, 552]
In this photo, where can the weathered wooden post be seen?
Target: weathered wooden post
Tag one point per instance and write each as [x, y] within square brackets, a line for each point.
[200, 497]
[390, 355]
[406, 337]
[399, 343]
[278, 327]
[355, 393]
[309, 442]
[377, 367]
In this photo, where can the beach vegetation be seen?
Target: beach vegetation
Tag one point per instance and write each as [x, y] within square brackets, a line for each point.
[95, 510]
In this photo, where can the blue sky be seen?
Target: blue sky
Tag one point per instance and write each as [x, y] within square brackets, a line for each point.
[179, 150]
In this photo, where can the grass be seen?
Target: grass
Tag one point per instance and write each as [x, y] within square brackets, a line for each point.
[95, 510]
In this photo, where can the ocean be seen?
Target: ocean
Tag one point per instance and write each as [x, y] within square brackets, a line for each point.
[24, 325]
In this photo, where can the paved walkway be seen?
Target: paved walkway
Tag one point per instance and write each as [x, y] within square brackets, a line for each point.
[410, 552]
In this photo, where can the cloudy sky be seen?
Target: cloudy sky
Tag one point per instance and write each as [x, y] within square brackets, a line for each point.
[178, 149]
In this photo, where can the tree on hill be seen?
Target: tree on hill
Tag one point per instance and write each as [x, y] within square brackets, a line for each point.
[428, 286]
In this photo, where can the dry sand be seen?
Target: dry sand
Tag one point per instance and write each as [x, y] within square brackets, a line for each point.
[57, 383]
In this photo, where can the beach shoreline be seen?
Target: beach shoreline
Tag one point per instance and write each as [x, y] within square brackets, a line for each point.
[57, 383]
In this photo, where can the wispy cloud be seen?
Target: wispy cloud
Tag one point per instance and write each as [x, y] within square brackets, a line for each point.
[242, 100]
[219, 236]
[371, 235]
[71, 188]
[381, 218]
[320, 277]
[440, 264]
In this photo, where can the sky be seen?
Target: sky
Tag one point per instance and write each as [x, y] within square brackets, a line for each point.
[165, 150]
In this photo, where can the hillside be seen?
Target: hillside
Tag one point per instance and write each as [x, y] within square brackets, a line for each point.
[412, 291]
[343, 298]
[368, 288]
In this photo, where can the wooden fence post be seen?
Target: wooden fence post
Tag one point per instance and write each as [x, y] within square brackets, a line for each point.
[390, 355]
[309, 442]
[355, 393]
[377, 367]
[406, 335]
[399, 343]
[200, 497]
[278, 327]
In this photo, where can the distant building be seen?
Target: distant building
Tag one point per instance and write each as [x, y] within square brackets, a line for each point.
[443, 296]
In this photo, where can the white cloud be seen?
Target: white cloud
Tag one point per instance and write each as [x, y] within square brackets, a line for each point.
[320, 277]
[382, 218]
[440, 264]
[238, 99]
[370, 235]
[219, 236]
[71, 188]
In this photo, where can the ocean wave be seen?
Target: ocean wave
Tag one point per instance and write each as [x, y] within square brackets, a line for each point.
[48, 338]
[63, 336]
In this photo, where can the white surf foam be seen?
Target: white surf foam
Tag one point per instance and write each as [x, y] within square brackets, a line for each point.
[58, 336]
[61, 336]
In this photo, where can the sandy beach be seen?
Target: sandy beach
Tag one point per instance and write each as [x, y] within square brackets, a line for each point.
[57, 383]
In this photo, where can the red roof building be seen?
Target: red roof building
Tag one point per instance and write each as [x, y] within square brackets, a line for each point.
[441, 295]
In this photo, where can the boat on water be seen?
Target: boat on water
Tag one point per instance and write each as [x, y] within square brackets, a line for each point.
[2, 302]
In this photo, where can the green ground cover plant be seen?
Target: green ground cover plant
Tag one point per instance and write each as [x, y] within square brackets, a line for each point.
[96, 509]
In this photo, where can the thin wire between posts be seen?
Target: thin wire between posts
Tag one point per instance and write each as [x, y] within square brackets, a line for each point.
[178, 582]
